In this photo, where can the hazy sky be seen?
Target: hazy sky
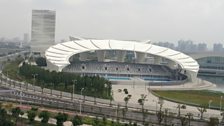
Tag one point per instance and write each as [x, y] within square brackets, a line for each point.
[157, 20]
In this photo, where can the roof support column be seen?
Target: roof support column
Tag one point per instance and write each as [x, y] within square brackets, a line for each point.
[172, 64]
[100, 55]
[83, 56]
[120, 55]
[140, 57]
[157, 60]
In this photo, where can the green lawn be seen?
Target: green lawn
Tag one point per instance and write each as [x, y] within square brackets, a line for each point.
[194, 97]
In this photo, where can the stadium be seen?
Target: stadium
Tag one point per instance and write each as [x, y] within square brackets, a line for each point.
[123, 61]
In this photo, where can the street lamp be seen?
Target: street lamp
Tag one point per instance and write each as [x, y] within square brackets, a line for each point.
[220, 103]
[209, 103]
[81, 102]
[107, 88]
[156, 103]
[73, 88]
[21, 96]
[34, 77]
[52, 86]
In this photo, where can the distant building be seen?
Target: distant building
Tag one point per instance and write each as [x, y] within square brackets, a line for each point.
[218, 47]
[166, 44]
[202, 47]
[43, 30]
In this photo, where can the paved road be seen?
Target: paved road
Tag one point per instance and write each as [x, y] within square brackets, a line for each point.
[88, 107]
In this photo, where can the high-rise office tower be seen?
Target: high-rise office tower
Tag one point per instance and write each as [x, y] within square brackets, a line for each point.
[43, 30]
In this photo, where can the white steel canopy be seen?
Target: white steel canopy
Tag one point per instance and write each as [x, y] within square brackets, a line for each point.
[59, 54]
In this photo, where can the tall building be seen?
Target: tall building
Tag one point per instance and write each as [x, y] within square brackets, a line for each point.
[202, 47]
[43, 30]
[218, 47]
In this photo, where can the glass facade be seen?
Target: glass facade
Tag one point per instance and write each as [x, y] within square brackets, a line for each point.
[212, 63]
[212, 69]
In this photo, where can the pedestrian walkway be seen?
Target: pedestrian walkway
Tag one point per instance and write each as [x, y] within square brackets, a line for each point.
[152, 101]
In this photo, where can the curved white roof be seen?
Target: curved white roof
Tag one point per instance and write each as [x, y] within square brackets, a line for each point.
[59, 54]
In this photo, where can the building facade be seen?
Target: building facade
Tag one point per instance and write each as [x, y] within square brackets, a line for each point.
[43, 30]
[60, 54]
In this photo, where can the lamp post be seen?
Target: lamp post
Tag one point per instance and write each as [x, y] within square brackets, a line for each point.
[7, 77]
[73, 89]
[34, 77]
[107, 88]
[156, 104]
[220, 103]
[52, 86]
[81, 102]
[21, 96]
[209, 103]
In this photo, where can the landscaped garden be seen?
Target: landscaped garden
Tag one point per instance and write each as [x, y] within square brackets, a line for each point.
[193, 97]
[93, 86]
[11, 115]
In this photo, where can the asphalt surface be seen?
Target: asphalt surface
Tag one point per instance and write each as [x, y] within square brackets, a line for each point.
[114, 111]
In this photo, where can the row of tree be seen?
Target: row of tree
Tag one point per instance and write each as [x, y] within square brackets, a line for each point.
[10, 116]
[93, 85]
[163, 115]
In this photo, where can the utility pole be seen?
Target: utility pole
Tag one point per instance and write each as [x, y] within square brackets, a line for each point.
[73, 89]
[80, 107]
[34, 77]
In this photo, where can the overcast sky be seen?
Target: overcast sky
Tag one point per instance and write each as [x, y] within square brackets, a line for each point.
[157, 20]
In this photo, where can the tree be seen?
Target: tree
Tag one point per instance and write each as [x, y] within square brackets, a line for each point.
[104, 121]
[15, 113]
[189, 116]
[77, 120]
[40, 61]
[160, 113]
[141, 102]
[183, 121]
[44, 115]
[202, 109]
[126, 100]
[61, 118]
[22, 113]
[31, 115]
[96, 121]
[3, 114]
[125, 91]
[3, 118]
[179, 106]
[222, 114]
[160, 116]
[214, 121]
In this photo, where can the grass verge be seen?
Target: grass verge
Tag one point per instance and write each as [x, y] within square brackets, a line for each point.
[193, 97]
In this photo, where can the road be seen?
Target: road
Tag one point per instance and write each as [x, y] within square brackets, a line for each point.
[24, 94]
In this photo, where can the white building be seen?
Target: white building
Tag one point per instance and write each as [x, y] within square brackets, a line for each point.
[43, 30]
[59, 54]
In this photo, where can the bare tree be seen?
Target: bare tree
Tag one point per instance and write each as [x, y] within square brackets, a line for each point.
[141, 102]
[183, 120]
[160, 113]
[179, 106]
[189, 117]
[202, 109]
[126, 100]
